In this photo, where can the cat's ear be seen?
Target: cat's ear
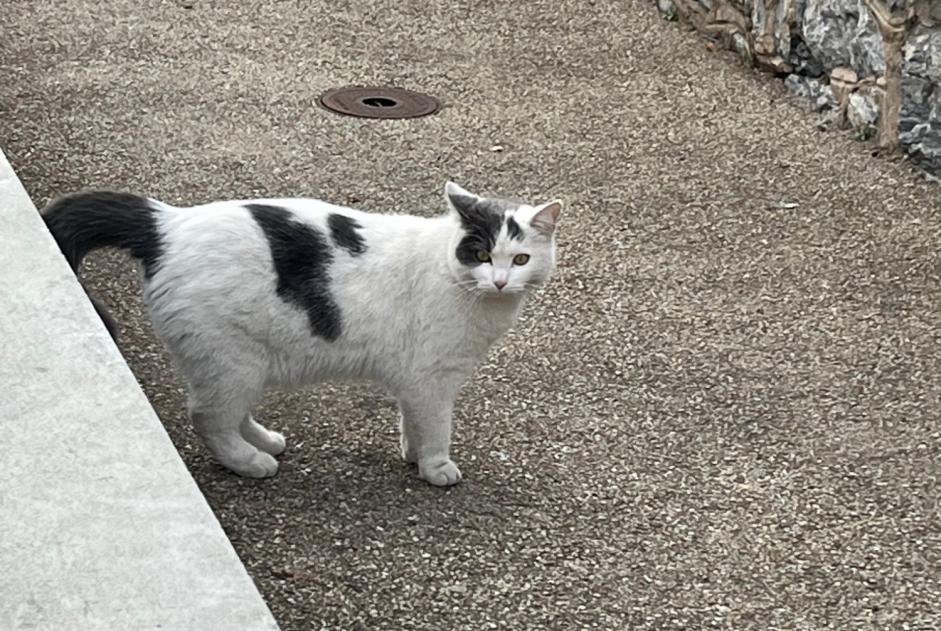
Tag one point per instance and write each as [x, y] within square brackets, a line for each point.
[459, 200]
[546, 217]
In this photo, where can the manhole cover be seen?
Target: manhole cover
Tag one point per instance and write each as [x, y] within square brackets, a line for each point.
[379, 102]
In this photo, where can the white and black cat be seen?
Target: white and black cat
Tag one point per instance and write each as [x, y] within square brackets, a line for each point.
[284, 292]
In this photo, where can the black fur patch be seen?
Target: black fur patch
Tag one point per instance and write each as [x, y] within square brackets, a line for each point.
[482, 219]
[343, 231]
[301, 258]
[513, 229]
[480, 234]
[83, 222]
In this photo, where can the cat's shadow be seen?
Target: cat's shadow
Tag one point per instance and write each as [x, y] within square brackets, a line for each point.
[327, 478]
[357, 486]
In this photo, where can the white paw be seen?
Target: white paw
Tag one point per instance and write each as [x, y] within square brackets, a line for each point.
[275, 443]
[260, 465]
[256, 435]
[439, 471]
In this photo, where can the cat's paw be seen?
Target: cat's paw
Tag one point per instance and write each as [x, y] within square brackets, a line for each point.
[439, 471]
[260, 465]
[273, 443]
[262, 439]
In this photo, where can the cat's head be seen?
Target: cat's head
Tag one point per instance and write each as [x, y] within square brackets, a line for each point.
[501, 247]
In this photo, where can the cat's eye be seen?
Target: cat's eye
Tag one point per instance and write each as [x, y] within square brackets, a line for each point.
[521, 259]
[483, 257]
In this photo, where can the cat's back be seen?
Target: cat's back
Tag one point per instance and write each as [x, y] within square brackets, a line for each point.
[324, 287]
[223, 220]
[237, 250]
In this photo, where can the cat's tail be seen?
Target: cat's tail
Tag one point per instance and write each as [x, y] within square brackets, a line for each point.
[83, 222]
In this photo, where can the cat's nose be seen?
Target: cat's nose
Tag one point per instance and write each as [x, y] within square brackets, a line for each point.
[499, 284]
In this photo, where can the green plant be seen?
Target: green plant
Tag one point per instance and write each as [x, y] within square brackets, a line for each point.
[865, 132]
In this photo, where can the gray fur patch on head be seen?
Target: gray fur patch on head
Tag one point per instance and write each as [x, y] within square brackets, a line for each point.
[513, 229]
[497, 205]
[473, 209]
[483, 219]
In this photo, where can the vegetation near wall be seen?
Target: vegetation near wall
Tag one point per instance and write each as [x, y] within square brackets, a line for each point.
[870, 65]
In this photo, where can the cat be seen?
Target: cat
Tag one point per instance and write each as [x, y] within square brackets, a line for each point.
[286, 292]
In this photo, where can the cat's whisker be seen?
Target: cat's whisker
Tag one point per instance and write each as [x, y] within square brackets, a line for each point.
[469, 298]
[467, 286]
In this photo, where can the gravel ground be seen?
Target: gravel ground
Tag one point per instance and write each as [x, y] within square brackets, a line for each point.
[723, 412]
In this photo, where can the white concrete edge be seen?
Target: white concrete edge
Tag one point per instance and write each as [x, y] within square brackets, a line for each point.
[103, 526]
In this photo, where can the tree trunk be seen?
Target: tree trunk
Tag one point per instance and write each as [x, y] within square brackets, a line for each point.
[892, 103]
[894, 30]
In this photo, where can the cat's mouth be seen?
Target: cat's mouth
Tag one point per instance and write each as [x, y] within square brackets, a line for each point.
[493, 290]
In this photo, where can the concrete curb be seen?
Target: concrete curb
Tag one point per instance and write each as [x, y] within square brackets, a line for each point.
[103, 527]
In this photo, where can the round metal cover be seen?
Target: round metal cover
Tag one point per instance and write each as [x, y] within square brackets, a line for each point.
[379, 102]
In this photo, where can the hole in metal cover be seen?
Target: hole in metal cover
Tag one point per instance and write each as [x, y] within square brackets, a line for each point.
[379, 102]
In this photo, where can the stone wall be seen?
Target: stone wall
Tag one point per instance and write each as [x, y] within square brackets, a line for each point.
[831, 53]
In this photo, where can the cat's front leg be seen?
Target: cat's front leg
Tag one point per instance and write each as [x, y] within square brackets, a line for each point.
[426, 439]
[408, 449]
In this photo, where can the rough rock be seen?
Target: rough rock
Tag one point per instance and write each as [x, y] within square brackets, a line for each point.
[725, 14]
[843, 33]
[774, 64]
[666, 7]
[772, 36]
[920, 116]
[764, 41]
[740, 43]
[825, 100]
[863, 108]
[844, 75]
[928, 12]
[842, 82]
[818, 93]
[923, 55]
[803, 60]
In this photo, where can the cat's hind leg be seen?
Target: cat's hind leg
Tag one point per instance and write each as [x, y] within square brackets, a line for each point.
[225, 368]
[218, 410]
[263, 439]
